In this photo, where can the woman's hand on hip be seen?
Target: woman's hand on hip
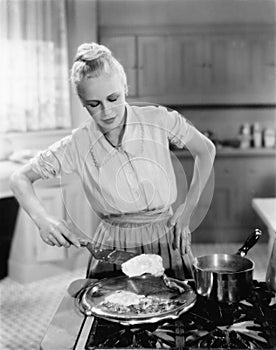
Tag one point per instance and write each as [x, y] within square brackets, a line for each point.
[182, 235]
[56, 232]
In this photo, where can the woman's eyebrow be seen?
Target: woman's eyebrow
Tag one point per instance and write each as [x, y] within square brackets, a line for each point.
[88, 101]
[98, 101]
[113, 94]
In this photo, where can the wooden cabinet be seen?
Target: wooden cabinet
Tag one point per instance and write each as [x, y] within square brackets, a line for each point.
[223, 68]
[186, 67]
[144, 58]
[259, 181]
[152, 66]
[235, 68]
[222, 213]
[124, 49]
[199, 65]
[265, 66]
[238, 179]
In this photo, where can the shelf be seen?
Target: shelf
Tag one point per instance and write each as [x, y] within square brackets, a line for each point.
[234, 152]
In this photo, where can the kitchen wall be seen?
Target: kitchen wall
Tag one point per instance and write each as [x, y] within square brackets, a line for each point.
[86, 19]
[225, 122]
[82, 25]
[175, 12]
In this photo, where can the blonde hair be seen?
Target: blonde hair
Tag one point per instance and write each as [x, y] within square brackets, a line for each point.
[92, 60]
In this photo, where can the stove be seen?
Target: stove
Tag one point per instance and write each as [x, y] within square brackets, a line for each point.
[249, 324]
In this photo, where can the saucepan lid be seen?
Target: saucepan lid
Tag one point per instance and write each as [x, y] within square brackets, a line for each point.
[154, 300]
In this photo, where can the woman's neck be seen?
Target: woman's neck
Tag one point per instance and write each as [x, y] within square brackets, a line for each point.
[115, 135]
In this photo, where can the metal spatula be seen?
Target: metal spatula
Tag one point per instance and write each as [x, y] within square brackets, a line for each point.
[111, 256]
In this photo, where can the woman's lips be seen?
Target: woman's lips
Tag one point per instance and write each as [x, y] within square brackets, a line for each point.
[109, 120]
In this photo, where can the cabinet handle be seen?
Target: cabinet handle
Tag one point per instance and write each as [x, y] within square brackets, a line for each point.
[206, 65]
[271, 64]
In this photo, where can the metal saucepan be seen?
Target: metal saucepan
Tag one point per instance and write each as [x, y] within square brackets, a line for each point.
[226, 278]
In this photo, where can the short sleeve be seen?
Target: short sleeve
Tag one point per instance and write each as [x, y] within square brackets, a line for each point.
[177, 128]
[56, 159]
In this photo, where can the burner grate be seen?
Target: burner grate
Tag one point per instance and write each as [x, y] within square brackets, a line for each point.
[105, 334]
[250, 324]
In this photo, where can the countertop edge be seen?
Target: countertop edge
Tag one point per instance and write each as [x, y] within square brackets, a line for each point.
[233, 152]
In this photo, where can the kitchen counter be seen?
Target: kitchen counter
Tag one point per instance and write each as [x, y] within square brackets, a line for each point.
[8, 167]
[266, 209]
[64, 328]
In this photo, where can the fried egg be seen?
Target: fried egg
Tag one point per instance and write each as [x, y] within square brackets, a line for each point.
[123, 298]
[144, 263]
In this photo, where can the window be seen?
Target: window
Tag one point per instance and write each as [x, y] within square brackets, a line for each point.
[34, 84]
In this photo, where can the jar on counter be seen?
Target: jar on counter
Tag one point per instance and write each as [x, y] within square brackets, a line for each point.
[245, 136]
[256, 135]
[269, 137]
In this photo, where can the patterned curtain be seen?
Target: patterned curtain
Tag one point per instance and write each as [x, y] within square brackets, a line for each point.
[34, 77]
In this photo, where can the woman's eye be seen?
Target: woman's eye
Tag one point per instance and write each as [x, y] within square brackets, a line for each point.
[113, 99]
[93, 105]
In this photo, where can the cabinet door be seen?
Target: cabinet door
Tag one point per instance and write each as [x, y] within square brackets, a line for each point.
[223, 212]
[152, 65]
[186, 65]
[222, 68]
[263, 58]
[239, 68]
[124, 49]
[259, 182]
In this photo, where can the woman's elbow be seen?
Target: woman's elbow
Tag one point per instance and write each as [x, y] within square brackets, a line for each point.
[210, 150]
[15, 180]
[20, 178]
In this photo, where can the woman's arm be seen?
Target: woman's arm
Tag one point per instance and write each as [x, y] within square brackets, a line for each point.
[53, 231]
[203, 151]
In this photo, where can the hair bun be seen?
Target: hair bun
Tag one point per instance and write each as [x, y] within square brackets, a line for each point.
[91, 51]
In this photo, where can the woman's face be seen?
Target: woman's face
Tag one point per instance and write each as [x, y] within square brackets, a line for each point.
[104, 99]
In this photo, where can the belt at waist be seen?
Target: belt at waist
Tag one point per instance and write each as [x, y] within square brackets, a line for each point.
[143, 217]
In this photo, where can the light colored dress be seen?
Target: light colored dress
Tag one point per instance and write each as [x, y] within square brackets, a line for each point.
[132, 187]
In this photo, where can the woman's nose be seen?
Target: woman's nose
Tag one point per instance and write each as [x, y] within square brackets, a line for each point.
[106, 108]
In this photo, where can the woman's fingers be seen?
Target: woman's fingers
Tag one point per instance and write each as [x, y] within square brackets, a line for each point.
[68, 236]
[48, 241]
[186, 240]
[176, 237]
[59, 235]
[182, 239]
[55, 240]
[174, 218]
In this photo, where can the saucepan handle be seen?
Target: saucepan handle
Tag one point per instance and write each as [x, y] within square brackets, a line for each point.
[250, 242]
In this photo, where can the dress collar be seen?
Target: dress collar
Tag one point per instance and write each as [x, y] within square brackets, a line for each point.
[132, 141]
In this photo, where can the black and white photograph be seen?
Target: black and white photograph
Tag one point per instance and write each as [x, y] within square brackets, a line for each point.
[137, 174]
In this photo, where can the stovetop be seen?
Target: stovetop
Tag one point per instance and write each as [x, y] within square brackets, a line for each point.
[249, 324]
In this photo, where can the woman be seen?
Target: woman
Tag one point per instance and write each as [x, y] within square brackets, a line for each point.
[122, 156]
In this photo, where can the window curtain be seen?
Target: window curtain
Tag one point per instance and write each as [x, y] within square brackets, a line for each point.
[34, 77]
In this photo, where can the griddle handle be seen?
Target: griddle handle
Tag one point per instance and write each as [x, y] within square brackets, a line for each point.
[250, 242]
